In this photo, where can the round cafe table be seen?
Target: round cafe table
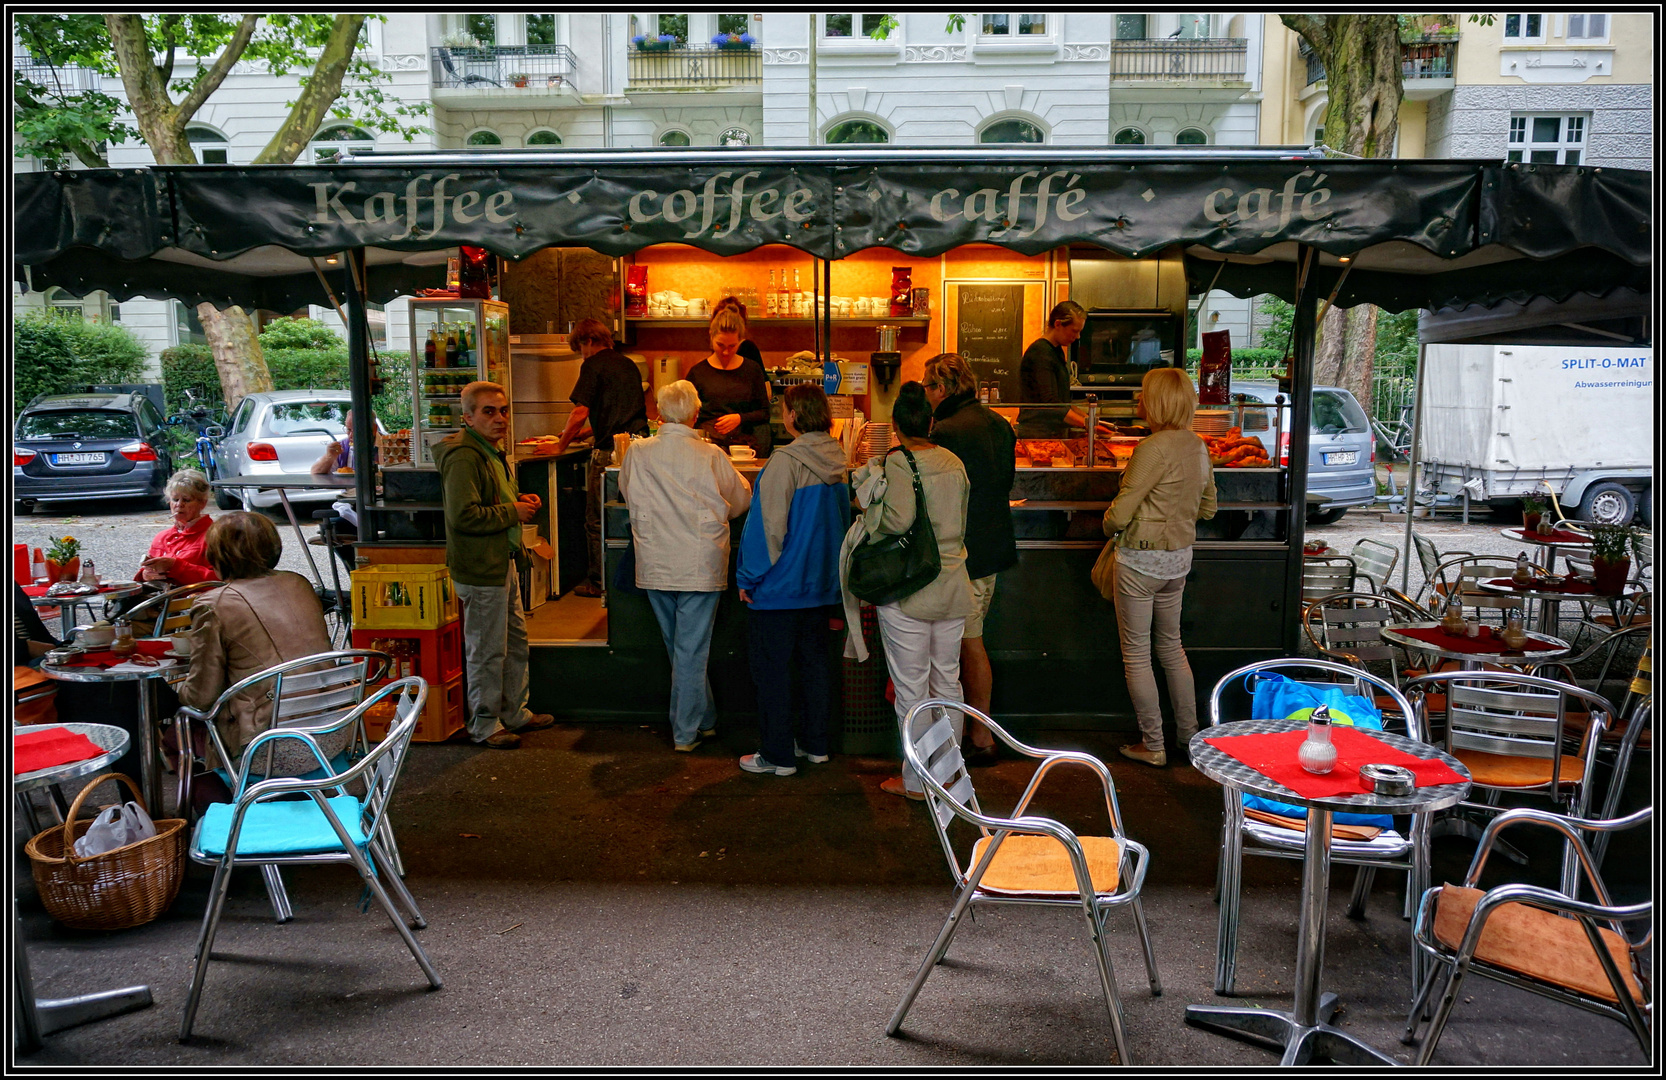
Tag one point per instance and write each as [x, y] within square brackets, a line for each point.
[42, 1016]
[150, 773]
[66, 605]
[1551, 546]
[1305, 1032]
[1550, 600]
[1476, 661]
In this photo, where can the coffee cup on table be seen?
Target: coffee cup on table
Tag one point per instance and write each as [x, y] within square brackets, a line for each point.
[742, 453]
[181, 644]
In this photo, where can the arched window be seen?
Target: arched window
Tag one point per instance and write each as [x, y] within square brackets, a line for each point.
[1130, 137]
[1191, 137]
[1011, 131]
[63, 305]
[735, 136]
[336, 138]
[857, 131]
[484, 138]
[543, 138]
[209, 144]
[674, 138]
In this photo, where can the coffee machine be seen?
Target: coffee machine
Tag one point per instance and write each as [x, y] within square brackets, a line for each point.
[885, 364]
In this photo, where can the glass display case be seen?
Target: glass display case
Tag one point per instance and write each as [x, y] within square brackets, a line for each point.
[453, 342]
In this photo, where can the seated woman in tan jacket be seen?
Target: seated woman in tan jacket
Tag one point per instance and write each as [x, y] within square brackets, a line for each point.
[1168, 488]
[261, 617]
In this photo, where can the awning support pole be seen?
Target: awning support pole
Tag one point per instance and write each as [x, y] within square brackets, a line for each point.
[358, 382]
[1411, 467]
[1303, 330]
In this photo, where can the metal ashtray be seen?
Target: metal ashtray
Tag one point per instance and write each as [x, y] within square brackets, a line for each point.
[1389, 779]
[64, 654]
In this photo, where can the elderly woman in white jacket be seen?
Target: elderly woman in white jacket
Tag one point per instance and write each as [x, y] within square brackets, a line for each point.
[682, 492]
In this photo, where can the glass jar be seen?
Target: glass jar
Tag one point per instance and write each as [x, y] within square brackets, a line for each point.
[1317, 754]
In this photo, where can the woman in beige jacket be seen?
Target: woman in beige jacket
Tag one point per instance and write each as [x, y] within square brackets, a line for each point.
[921, 631]
[259, 618]
[1169, 486]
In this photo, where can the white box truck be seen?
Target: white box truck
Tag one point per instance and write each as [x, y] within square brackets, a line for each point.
[1502, 420]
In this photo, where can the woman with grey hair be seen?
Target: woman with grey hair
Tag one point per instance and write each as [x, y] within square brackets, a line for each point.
[176, 554]
[682, 493]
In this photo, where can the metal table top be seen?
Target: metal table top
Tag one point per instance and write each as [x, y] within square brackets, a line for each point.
[111, 739]
[1504, 658]
[346, 482]
[1228, 771]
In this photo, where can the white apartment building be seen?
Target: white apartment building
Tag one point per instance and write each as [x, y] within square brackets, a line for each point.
[583, 79]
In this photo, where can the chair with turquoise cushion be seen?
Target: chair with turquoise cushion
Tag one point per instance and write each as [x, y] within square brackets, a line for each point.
[287, 821]
[309, 694]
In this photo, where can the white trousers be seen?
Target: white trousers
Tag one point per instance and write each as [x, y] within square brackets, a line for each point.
[924, 660]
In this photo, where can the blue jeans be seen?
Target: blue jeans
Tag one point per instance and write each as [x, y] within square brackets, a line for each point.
[789, 646]
[685, 624]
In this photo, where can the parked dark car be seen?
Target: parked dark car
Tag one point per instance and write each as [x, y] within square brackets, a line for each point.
[89, 446]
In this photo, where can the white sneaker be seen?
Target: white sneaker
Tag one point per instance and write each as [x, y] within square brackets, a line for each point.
[817, 759]
[755, 763]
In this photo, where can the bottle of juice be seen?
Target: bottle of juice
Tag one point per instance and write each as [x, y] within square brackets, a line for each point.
[428, 351]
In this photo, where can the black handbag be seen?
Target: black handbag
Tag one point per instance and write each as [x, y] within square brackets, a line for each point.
[887, 568]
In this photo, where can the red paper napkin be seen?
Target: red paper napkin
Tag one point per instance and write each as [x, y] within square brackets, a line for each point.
[47, 747]
[1561, 585]
[1487, 642]
[1559, 536]
[106, 658]
[1274, 756]
[40, 590]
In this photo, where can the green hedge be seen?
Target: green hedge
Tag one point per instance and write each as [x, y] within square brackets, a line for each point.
[291, 369]
[53, 354]
[1242, 358]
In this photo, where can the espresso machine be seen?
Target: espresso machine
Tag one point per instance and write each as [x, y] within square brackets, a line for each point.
[884, 364]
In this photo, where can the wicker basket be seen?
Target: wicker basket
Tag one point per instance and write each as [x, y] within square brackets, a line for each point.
[128, 886]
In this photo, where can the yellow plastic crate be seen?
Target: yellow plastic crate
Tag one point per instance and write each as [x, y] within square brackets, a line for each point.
[403, 596]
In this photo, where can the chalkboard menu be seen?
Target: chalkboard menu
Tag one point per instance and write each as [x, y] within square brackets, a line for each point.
[990, 334]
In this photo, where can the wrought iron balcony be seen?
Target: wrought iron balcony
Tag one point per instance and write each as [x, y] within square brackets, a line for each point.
[56, 78]
[693, 66]
[1179, 59]
[1430, 58]
[502, 66]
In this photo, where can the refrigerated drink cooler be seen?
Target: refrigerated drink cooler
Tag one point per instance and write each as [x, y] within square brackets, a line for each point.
[453, 342]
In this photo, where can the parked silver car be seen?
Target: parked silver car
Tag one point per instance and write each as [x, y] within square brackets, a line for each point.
[280, 431]
[1341, 447]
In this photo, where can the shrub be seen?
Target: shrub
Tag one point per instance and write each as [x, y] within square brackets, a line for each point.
[308, 369]
[299, 334]
[189, 366]
[1242, 358]
[105, 352]
[42, 360]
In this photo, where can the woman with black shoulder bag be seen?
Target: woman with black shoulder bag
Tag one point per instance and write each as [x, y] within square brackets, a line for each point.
[921, 628]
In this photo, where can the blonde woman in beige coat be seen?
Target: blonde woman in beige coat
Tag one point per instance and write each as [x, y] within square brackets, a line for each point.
[1168, 487]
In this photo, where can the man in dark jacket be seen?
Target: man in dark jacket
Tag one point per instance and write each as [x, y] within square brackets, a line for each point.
[608, 397]
[484, 512]
[985, 444]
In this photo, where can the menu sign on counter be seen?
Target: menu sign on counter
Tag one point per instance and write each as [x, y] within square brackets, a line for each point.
[990, 334]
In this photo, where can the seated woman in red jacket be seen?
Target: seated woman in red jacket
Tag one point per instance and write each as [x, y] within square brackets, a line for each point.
[176, 554]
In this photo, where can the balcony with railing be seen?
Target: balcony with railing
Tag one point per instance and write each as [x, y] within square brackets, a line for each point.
[1426, 65]
[1184, 60]
[693, 67]
[56, 79]
[500, 75]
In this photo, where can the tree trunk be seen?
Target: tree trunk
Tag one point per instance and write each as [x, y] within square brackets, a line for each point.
[237, 355]
[1328, 351]
[1360, 353]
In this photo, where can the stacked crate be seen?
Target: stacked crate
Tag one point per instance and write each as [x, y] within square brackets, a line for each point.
[410, 611]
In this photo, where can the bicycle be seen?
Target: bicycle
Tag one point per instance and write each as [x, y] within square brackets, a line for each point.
[210, 424]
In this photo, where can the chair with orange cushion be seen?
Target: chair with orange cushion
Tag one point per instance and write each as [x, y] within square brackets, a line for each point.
[1536, 939]
[1508, 730]
[1025, 858]
[34, 697]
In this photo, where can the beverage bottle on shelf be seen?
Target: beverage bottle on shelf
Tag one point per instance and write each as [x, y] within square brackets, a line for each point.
[799, 308]
[783, 299]
[770, 308]
[467, 348]
[452, 353]
[428, 351]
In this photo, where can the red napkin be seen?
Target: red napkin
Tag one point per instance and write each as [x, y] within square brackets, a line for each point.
[1487, 642]
[1561, 585]
[106, 658]
[47, 747]
[40, 590]
[1559, 536]
[1274, 756]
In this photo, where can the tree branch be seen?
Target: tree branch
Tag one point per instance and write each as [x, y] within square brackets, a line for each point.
[169, 24]
[221, 67]
[320, 92]
[1312, 28]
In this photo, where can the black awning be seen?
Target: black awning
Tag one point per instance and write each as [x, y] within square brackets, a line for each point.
[1421, 233]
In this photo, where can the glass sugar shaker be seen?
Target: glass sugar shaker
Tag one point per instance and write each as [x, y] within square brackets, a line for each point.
[1317, 754]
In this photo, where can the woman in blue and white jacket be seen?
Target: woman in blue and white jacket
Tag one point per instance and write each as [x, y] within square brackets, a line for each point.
[788, 575]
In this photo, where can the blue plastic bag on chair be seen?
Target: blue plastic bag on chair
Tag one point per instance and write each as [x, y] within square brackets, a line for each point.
[1278, 698]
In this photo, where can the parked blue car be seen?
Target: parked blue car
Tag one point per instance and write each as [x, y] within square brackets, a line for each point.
[89, 446]
[1341, 448]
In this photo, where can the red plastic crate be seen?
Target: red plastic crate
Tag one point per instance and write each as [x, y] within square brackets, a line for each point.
[443, 714]
[440, 652]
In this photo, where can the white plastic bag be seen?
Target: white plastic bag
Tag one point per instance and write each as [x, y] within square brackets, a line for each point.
[114, 827]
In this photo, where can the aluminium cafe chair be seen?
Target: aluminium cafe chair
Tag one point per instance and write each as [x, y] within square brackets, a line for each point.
[1508, 729]
[1330, 574]
[1459, 577]
[1435, 583]
[1246, 831]
[1025, 858]
[1540, 940]
[1348, 627]
[309, 694]
[328, 824]
[168, 612]
[1375, 561]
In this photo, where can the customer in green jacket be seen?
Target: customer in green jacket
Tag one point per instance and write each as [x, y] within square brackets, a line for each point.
[484, 512]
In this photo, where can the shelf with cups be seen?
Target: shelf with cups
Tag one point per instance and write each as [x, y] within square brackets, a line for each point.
[866, 320]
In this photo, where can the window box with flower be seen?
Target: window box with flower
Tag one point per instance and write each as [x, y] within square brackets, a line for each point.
[733, 41]
[661, 43]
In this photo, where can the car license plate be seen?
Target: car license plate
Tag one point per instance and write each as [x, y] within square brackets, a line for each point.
[1342, 457]
[77, 459]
